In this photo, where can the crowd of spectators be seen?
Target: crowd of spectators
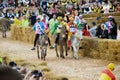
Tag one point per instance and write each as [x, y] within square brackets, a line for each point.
[25, 13]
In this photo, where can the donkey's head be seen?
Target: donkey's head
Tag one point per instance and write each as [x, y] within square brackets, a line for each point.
[45, 39]
[64, 32]
[79, 34]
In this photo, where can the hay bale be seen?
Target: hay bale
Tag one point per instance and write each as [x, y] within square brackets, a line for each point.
[113, 44]
[102, 44]
[104, 54]
[94, 54]
[81, 53]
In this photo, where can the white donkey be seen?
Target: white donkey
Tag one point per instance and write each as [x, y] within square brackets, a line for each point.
[75, 43]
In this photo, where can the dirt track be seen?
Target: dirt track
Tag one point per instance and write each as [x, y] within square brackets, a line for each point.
[82, 69]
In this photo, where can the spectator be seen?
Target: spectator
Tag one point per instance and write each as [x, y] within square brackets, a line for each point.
[17, 21]
[85, 30]
[107, 73]
[0, 60]
[92, 30]
[34, 75]
[101, 32]
[6, 73]
[118, 7]
[106, 7]
[113, 30]
[24, 21]
[33, 19]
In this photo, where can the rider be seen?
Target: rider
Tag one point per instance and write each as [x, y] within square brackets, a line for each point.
[56, 28]
[39, 27]
[71, 27]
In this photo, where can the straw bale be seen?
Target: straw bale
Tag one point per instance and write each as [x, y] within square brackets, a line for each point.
[113, 44]
[103, 15]
[26, 30]
[102, 44]
[104, 54]
[81, 53]
[94, 54]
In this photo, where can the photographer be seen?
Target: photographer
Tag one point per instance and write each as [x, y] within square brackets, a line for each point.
[34, 75]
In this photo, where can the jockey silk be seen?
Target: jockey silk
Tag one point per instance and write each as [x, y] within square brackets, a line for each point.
[72, 28]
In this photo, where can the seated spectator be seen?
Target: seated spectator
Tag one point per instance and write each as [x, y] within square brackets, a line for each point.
[102, 32]
[17, 21]
[6, 73]
[106, 7]
[118, 7]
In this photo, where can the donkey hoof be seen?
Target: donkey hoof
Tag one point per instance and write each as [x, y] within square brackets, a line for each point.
[77, 58]
[66, 54]
[57, 55]
[62, 56]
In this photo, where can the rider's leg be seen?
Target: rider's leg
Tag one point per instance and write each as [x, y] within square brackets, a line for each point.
[35, 41]
[56, 40]
[69, 42]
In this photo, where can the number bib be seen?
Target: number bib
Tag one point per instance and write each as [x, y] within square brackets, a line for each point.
[72, 29]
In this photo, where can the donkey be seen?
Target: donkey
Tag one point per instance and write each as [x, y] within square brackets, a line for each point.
[42, 44]
[5, 25]
[62, 42]
[75, 42]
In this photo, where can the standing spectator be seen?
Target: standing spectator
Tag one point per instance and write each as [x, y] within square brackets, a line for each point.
[93, 29]
[25, 22]
[85, 30]
[107, 73]
[33, 18]
[113, 30]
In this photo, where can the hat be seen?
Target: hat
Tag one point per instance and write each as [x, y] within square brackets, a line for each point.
[110, 16]
[111, 66]
[59, 18]
[38, 17]
[80, 15]
[71, 18]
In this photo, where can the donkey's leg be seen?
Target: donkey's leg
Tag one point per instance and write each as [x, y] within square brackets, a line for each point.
[56, 51]
[61, 51]
[76, 53]
[45, 53]
[71, 51]
[42, 54]
[75, 50]
[38, 52]
[66, 49]
[5, 33]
